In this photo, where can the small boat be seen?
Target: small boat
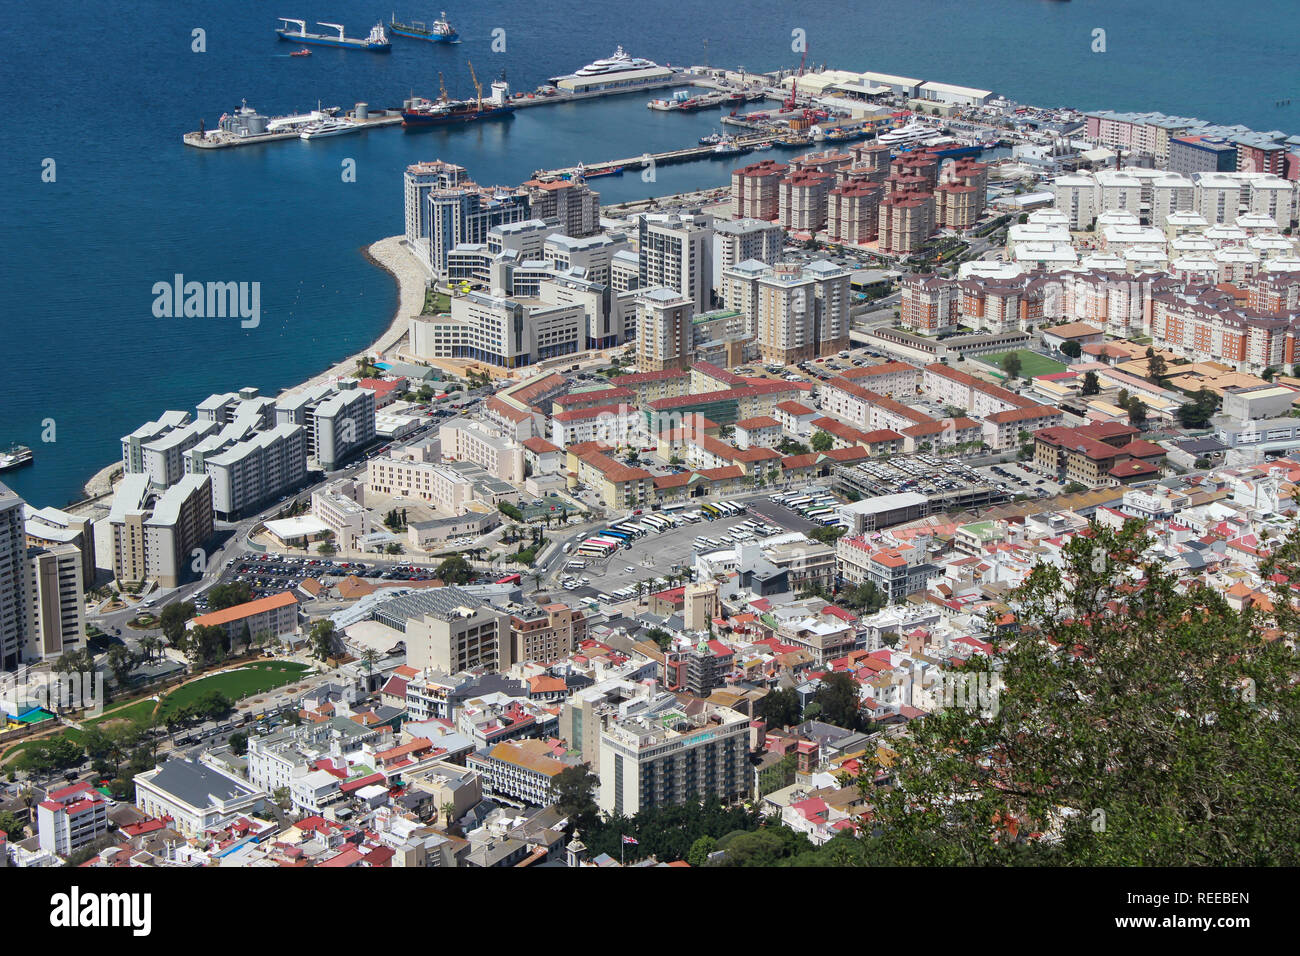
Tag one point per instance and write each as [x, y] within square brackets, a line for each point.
[15, 456]
[713, 139]
[727, 147]
[303, 52]
[581, 171]
[762, 146]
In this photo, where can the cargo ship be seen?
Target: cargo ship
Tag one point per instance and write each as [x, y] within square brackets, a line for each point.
[444, 111]
[15, 456]
[439, 32]
[376, 42]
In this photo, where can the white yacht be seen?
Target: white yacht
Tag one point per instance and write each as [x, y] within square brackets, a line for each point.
[328, 128]
[909, 135]
[620, 62]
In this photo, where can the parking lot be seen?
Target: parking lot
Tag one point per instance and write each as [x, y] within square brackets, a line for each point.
[657, 555]
[1019, 479]
[923, 474]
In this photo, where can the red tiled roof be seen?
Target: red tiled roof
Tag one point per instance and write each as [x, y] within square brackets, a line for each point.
[247, 609]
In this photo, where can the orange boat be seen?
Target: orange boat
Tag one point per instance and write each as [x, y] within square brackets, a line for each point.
[303, 52]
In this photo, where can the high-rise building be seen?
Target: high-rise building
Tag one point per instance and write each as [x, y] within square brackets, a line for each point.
[676, 251]
[445, 209]
[50, 527]
[738, 240]
[14, 605]
[57, 620]
[803, 311]
[573, 205]
[338, 418]
[803, 200]
[418, 181]
[853, 212]
[1201, 154]
[663, 338]
[153, 536]
[906, 221]
[542, 635]
[755, 192]
[661, 755]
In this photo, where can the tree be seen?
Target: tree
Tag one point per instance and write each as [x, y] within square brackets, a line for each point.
[225, 595]
[780, 708]
[1141, 721]
[1198, 412]
[205, 644]
[840, 701]
[326, 548]
[454, 570]
[173, 617]
[660, 637]
[1137, 411]
[1071, 349]
[120, 662]
[827, 534]
[1091, 386]
[1268, 374]
[1011, 365]
[1157, 368]
[1073, 488]
[822, 442]
[11, 827]
[573, 790]
[323, 639]
[700, 850]
[239, 743]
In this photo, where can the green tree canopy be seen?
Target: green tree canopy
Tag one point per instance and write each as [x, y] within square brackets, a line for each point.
[1142, 721]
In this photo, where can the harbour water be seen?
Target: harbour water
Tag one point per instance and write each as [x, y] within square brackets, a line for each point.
[85, 358]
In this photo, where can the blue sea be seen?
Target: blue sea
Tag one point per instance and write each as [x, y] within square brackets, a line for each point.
[104, 91]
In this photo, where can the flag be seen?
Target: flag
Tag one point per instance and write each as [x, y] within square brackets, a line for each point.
[628, 839]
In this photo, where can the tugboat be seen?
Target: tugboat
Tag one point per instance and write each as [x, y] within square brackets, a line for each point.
[303, 52]
[15, 456]
[440, 32]
[727, 147]
[713, 139]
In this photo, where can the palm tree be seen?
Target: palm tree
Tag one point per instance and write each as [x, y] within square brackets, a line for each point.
[370, 655]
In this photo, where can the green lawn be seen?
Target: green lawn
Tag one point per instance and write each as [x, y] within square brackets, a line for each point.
[253, 679]
[1031, 363]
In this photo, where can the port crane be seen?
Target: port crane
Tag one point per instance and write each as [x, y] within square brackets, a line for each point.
[478, 87]
[789, 103]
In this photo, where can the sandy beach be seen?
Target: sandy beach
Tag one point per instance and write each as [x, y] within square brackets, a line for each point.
[392, 256]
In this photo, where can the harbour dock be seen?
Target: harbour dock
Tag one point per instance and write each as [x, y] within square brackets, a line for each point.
[221, 139]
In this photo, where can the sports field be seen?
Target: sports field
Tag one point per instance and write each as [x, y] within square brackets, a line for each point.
[1031, 363]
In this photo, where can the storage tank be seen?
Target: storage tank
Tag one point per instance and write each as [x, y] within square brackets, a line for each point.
[362, 111]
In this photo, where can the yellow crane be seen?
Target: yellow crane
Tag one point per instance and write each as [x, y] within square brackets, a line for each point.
[442, 88]
[478, 87]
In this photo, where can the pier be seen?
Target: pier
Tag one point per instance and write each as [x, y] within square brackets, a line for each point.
[668, 158]
[219, 139]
